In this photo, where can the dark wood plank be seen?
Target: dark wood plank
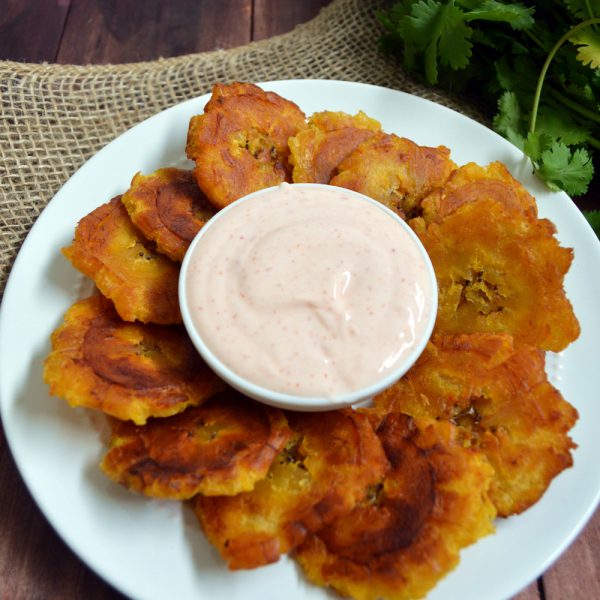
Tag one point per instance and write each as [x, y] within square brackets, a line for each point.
[273, 17]
[119, 31]
[576, 575]
[31, 31]
[35, 563]
[531, 592]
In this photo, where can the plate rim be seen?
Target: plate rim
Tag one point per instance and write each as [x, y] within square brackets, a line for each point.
[88, 164]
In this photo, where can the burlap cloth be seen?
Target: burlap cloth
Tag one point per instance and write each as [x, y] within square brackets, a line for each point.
[54, 117]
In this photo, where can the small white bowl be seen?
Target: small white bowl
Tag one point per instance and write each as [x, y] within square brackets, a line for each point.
[299, 402]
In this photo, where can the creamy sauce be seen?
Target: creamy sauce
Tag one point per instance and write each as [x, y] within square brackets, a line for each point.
[309, 291]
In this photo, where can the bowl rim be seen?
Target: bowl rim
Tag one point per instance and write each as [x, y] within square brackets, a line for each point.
[291, 401]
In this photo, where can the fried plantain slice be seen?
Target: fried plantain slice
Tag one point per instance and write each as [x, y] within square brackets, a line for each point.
[406, 534]
[316, 152]
[499, 272]
[141, 283]
[395, 171]
[220, 448]
[127, 370]
[168, 208]
[240, 143]
[472, 182]
[498, 393]
[325, 469]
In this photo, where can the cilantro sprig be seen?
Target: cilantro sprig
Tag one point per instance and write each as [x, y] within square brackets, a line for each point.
[537, 64]
[593, 217]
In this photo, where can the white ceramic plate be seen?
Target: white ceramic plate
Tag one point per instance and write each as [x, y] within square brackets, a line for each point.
[150, 549]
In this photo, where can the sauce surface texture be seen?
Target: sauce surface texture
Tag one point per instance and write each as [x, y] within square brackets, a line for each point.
[309, 291]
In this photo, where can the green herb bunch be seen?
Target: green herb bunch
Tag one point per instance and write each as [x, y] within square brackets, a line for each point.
[535, 64]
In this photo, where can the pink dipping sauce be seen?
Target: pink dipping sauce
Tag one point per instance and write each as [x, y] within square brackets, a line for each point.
[309, 290]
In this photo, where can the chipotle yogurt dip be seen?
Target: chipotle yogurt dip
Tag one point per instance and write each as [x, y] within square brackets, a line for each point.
[308, 291]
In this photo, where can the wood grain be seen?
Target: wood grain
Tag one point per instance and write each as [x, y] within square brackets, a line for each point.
[31, 31]
[118, 31]
[576, 576]
[35, 564]
[273, 17]
[531, 592]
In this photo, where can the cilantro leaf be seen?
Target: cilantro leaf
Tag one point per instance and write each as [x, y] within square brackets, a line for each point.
[440, 32]
[454, 46]
[538, 63]
[536, 144]
[508, 121]
[582, 9]
[593, 217]
[585, 92]
[419, 26]
[560, 125]
[588, 47]
[515, 14]
[400, 9]
[515, 76]
[562, 169]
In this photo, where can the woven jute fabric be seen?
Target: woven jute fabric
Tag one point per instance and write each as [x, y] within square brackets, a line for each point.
[54, 117]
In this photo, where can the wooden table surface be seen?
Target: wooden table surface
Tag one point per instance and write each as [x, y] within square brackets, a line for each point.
[34, 562]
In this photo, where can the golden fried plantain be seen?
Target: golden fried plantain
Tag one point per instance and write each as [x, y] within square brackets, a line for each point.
[127, 370]
[472, 182]
[325, 469]
[240, 143]
[406, 534]
[395, 171]
[220, 448]
[316, 152]
[168, 208]
[499, 272]
[141, 283]
[499, 395]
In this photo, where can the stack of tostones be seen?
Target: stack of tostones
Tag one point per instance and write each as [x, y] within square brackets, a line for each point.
[127, 370]
[331, 461]
[406, 534]
[240, 143]
[374, 503]
[498, 394]
[124, 352]
[168, 208]
[141, 283]
[220, 448]
[317, 151]
[395, 171]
